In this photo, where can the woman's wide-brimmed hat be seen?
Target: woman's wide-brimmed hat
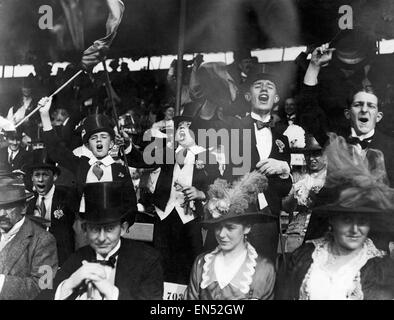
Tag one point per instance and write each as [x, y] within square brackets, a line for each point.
[356, 184]
[237, 201]
[109, 202]
[12, 190]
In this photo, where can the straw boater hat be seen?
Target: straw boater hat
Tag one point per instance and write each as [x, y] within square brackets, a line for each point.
[108, 202]
[355, 184]
[237, 201]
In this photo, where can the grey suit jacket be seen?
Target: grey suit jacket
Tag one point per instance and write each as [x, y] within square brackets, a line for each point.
[21, 259]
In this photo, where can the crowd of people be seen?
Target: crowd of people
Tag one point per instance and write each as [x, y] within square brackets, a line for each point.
[251, 194]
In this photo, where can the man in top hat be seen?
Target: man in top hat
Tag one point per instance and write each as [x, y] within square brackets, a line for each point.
[363, 112]
[264, 148]
[28, 257]
[55, 204]
[110, 267]
[14, 154]
[98, 136]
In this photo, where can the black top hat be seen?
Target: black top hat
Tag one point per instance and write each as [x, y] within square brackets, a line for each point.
[109, 202]
[40, 159]
[256, 74]
[12, 190]
[190, 111]
[353, 46]
[96, 123]
[311, 145]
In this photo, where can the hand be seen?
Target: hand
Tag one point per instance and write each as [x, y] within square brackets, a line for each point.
[271, 167]
[107, 289]
[322, 55]
[191, 193]
[88, 272]
[45, 104]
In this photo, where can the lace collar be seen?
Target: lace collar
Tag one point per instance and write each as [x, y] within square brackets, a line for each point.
[242, 279]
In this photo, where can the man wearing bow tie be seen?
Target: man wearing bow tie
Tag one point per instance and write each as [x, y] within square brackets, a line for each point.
[264, 149]
[110, 267]
[363, 112]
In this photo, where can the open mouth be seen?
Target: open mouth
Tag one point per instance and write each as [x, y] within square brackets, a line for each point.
[40, 186]
[363, 120]
[264, 97]
[99, 147]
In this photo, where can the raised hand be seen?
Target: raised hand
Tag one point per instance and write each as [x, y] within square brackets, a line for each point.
[322, 55]
[45, 104]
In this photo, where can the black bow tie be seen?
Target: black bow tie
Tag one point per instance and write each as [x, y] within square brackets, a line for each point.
[110, 262]
[260, 124]
[363, 143]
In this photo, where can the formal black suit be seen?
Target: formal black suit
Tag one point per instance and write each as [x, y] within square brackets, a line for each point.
[316, 122]
[178, 243]
[138, 270]
[19, 160]
[61, 228]
[264, 237]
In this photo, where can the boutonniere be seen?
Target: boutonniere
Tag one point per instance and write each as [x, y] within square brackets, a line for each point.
[280, 145]
[58, 213]
[200, 164]
[121, 175]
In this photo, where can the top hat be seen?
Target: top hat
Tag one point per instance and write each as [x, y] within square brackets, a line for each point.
[109, 202]
[242, 53]
[311, 145]
[190, 111]
[40, 159]
[12, 190]
[237, 201]
[353, 46]
[96, 123]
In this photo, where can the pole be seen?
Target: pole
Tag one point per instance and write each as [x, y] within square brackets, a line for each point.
[181, 44]
[53, 94]
[115, 112]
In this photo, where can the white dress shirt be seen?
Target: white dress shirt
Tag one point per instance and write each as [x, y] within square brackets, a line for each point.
[362, 137]
[263, 136]
[63, 292]
[5, 239]
[47, 202]
[184, 176]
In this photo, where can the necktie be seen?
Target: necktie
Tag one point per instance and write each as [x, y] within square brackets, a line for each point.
[98, 172]
[180, 157]
[43, 209]
[363, 143]
[10, 158]
[260, 124]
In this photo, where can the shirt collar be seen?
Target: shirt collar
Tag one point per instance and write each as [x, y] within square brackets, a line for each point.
[265, 118]
[50, 193]
[14, 153]
[106, 161]
[363, 136]
[116, 248]
[14, 230]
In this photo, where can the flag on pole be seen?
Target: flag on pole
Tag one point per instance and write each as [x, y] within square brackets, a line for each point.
[96, 52]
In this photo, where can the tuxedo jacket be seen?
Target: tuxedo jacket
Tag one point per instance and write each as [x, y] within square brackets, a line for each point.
[138, 275]
[203, 176]
[61, 227]
[316, 122]
[79, 166]
[19, 160]
[277, 187]
[22, 259]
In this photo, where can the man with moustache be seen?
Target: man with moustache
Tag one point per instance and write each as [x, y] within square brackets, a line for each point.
[55, 204]
[27, 252]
